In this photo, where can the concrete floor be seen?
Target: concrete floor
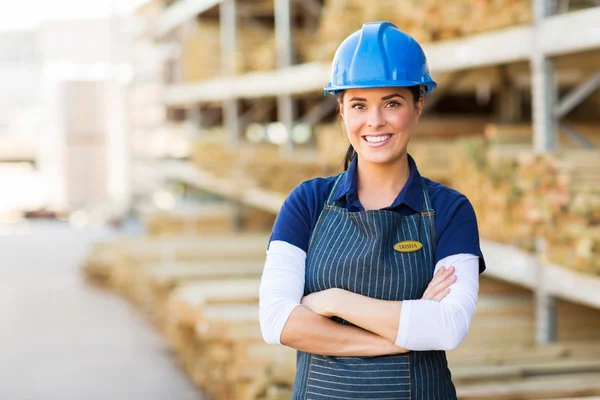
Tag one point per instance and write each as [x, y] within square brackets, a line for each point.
[62, 339]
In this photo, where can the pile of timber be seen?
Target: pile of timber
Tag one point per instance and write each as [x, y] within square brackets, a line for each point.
[205, 218]
[499, 359]
[214, 329]
[425, 20]
[201, 53]
[518, 197]
[521, 197]
[202, 294]
[263, 166]
[204, 299]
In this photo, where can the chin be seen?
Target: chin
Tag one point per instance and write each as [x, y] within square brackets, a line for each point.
[379, 158]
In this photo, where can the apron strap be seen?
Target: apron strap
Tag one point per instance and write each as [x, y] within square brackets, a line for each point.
[427, 209]
[333, 190]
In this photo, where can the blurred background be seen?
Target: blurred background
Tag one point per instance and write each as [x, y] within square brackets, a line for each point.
[147, 145]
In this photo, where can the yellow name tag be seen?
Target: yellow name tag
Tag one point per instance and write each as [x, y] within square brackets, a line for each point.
[408, 246]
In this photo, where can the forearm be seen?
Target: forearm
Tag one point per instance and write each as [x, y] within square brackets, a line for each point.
[284, 321]
[378, 316]
[431, 325]
[417, 324]
[313, 333]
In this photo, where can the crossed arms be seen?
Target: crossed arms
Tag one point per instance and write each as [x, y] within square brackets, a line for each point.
[438, 321]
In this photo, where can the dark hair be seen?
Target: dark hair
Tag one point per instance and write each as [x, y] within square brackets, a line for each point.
[417, 92]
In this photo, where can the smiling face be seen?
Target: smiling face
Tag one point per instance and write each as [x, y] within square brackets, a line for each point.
[379, 121]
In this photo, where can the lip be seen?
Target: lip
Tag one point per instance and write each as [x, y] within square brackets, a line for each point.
[378, 144]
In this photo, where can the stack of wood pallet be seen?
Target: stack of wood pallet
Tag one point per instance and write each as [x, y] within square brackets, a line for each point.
[202, 53]
[217, 334]
[520, 197]
[202, 294]
[204, 299]
[499, 360]
[218, 217]
[567, 206]
[263, 166]
[206, 218]
[425, 20]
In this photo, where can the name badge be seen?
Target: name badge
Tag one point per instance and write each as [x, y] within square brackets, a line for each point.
[408, 246]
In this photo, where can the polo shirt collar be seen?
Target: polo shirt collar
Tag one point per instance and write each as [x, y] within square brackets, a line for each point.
[410, 195]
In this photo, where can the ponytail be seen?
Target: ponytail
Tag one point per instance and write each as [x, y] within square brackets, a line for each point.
[350, 154]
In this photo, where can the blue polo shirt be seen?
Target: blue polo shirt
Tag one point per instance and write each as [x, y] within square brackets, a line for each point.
[455, 222]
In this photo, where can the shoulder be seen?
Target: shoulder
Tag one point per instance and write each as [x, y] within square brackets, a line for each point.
[444, 199]
[312, 190]
[300, 211]
[309, 196]
[455, 223]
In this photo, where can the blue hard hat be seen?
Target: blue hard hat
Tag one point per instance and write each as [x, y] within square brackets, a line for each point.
[379, 55]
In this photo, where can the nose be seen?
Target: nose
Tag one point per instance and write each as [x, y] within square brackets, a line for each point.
[375, 118]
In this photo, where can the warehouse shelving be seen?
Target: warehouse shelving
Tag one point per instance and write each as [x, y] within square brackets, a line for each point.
[179, 13]
[547, 37]
[504, 261]
[185, 172]
[499, 47]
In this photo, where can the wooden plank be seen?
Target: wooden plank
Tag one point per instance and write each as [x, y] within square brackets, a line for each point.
[522, 370]
[186, 304]
[534, 388]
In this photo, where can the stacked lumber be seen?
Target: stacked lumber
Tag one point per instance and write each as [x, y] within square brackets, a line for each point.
[202, 294]
[257, 49]
[202, 53]
[261, 166]
[217, 337]
[186, 220]
[155, 281]
[98, 264]
[433, 157]
[332, 142]
[204, 299]
[567, 206]
[523, 134]
[499, 358]
[130, 254]
[207, 218]
[520, 197]
[425, 20]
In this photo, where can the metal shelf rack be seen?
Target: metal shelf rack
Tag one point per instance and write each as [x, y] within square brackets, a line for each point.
[547, 37]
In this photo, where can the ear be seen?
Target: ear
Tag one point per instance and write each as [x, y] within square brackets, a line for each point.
[419, 108]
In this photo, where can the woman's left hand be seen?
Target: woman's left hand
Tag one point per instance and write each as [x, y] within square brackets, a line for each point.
[323, 302]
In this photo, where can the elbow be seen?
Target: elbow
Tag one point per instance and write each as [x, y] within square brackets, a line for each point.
[455, 329]
[445, 330]
[272, 317]
[452, 340]
[267, 328]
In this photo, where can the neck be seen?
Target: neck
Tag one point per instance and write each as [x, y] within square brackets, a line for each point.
[383, 178]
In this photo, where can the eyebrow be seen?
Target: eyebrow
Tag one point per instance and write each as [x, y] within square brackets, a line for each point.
[390, 96]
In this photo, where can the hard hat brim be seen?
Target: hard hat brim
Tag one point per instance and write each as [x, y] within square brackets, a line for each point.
[428, 86]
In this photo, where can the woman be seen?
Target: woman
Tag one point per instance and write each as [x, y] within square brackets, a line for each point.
[373, 274]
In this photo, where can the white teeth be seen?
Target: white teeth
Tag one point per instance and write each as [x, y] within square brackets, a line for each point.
[377, 139]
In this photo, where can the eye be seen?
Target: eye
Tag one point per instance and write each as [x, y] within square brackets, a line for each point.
[359, 106]
[393, 104]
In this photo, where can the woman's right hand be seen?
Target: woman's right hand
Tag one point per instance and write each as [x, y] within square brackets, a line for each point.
[439, 287]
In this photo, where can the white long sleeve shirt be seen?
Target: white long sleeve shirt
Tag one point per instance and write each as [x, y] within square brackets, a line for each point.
[424, 324]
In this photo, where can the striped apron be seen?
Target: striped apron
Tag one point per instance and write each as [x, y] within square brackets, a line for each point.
[355, 251]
